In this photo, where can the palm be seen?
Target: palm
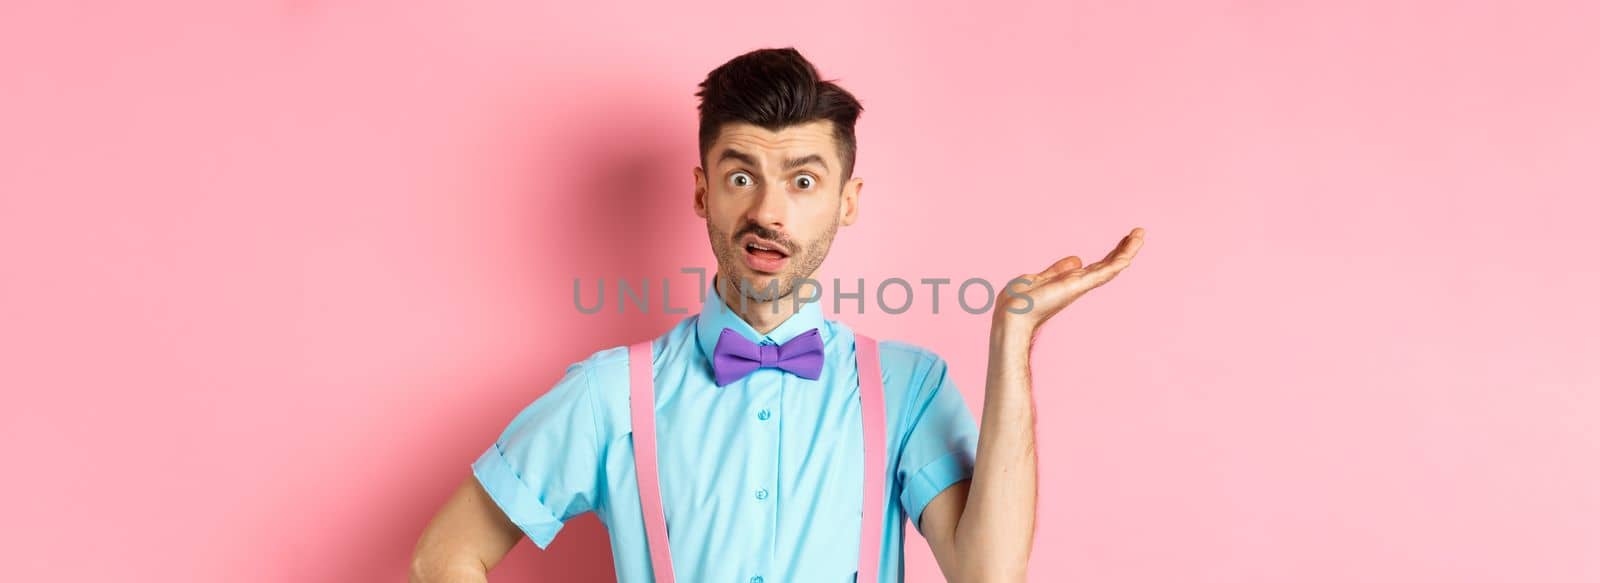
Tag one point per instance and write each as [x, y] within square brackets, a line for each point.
[1065, 281]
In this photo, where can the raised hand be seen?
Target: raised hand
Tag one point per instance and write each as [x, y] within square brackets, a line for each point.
[1059, 285]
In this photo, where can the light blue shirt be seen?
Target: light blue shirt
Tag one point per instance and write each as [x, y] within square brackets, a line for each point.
[760, 480]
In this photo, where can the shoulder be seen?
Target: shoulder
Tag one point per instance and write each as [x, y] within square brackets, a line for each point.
[888, 348]
[602, 362]
[907, 366]
[918, 388]
[605, 371]
[920, 369]
[607, 368]
[604, 374]
[909, 352]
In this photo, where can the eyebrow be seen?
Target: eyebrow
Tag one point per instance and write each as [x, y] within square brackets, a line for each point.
[732, 154]
[803, 160]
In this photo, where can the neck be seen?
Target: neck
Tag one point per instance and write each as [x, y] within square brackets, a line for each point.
[763, 316]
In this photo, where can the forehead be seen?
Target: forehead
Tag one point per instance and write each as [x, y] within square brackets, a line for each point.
[815, 137]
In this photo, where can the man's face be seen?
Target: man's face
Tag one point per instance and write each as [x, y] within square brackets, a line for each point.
[772, 202]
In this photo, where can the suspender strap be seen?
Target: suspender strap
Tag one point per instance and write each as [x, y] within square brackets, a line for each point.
[872, 422]
[641, 390]
[642, 399]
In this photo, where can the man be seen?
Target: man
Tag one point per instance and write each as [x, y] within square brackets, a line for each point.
[761, 471]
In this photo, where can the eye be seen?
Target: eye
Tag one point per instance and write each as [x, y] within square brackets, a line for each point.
[740, 180]
[805, 182]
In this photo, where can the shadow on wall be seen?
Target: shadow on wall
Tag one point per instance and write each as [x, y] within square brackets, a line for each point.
[619, 206]
[630, 188]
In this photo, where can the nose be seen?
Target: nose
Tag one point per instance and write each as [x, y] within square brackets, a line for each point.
[771, 207]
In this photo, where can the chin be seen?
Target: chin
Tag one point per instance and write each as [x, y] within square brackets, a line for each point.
[759, 282]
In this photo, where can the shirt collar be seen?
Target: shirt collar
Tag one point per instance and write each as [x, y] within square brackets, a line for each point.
[715, 314]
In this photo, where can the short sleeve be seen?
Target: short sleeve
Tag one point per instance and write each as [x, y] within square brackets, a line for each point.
[941, 447]
[545, 467]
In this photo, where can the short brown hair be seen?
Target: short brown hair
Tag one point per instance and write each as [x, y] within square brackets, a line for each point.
[774, 89]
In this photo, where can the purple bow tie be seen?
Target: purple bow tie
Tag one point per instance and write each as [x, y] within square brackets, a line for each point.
[735, 356]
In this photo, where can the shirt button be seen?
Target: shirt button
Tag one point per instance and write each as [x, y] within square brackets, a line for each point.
[756, 579]
[761, 494]
[764, 415]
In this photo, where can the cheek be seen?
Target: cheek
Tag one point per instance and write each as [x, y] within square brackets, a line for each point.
[816, 221]
[721, 230]
[722, 209]
[716, 214]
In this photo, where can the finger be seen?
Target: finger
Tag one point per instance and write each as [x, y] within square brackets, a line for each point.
[1103, 273]
[1127, 247]
[1135, 240]
[1067, 263]
[1124, 251]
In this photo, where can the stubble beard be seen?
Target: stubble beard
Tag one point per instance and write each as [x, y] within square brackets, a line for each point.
[803, 261]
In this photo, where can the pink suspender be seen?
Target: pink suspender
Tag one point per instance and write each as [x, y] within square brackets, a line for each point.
[642, 403]
[641, 388]
[872, 421]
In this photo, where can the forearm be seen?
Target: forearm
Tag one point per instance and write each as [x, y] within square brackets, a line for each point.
[995, 533]
[443, 570]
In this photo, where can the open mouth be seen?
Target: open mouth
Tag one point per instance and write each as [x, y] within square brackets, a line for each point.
[765, 256]
[764, 251]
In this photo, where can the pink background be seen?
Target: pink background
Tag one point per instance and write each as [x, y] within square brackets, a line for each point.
[275, 273]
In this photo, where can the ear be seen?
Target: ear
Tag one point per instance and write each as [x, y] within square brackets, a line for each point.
[850, 205]
[699, 192]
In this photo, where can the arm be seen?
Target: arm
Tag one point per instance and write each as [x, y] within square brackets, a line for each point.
[467, 538]
[542, 470]
[983, 530]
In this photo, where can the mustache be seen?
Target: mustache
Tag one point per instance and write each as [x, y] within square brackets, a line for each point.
[768, 234]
